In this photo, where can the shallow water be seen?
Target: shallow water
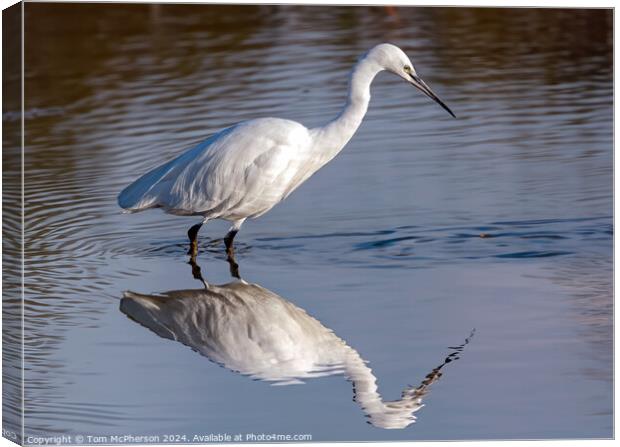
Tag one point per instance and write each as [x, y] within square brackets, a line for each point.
[423, 229]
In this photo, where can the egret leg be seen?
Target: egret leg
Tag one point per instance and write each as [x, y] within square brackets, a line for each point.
[228, 241]
[230, 236]
[192, 234]
[230, 254]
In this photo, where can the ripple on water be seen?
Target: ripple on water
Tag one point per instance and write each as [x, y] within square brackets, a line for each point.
[133, 87]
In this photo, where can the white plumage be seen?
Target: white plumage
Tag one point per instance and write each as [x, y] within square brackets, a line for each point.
[253, 331]
[240, 172]
[243, 171]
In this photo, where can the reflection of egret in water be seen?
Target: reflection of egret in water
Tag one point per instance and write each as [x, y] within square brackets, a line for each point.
[251, 330]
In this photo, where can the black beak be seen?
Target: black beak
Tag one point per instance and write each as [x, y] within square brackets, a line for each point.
[421, 85]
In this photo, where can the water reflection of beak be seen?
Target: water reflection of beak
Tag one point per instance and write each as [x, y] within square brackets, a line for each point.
[421, 85]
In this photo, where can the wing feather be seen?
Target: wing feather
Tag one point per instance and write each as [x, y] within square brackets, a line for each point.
[241, 171]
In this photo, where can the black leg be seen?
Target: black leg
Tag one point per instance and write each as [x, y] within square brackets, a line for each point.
[230, 253]
[192, 234]
[228, 241]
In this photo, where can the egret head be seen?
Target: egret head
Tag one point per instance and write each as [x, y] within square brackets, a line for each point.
[393, 59]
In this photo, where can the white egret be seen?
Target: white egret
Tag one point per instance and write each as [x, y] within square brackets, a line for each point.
[253, 331]
[245, 170]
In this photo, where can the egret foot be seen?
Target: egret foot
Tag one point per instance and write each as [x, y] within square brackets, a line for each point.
[234, 267]
[196, 273]
[192, 234]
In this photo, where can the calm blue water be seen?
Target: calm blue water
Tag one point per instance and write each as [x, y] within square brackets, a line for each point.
[423, 229]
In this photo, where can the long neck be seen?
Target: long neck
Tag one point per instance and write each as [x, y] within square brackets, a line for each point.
[392, 414]
[331, 138]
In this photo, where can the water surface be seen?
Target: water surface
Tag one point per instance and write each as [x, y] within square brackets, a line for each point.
[423, 229]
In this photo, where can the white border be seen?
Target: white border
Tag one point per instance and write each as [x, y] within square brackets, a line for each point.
[456, 3]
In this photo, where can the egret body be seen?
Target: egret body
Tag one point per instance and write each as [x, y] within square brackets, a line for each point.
[245, 170]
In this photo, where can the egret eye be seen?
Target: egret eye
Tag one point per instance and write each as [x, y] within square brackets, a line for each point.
[407, 69]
